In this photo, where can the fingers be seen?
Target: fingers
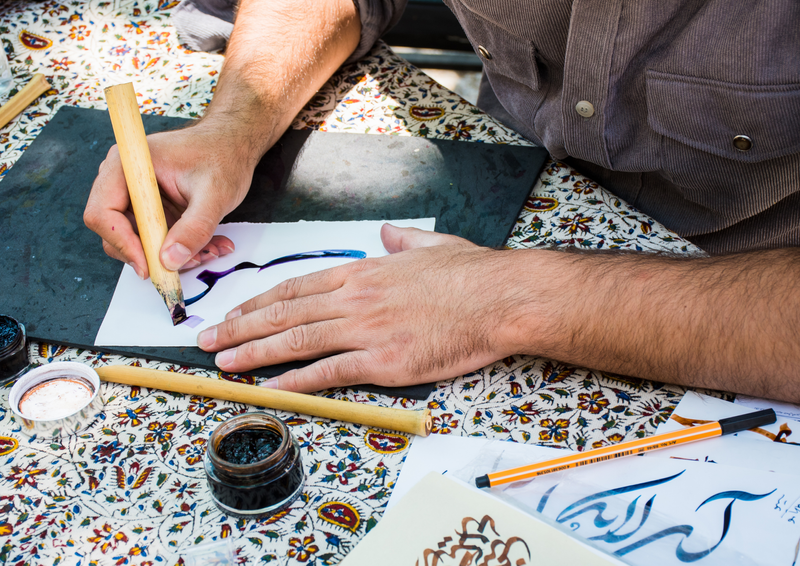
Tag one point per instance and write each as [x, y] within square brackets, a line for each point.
[317, 283]
[192, 232]
[401, 239]
[303, 342]
[106, 214]
[276, 318]
[342, 370]
[223, 244]
[112, 252]
[218, 246]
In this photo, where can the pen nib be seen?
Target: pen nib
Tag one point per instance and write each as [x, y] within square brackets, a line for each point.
[178, 314]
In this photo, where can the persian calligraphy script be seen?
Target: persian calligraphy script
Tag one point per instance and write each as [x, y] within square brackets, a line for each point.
[477, 544]
[613, 528]
[210, 278]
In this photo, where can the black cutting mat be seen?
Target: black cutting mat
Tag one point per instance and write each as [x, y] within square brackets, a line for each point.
[56, 279]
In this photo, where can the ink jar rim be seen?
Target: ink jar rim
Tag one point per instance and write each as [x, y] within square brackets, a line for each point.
[17, 339]
[18, 348]
[64, 425]
[250, 420]
[244, 490]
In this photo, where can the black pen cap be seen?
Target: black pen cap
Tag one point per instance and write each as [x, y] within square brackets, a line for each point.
[748, 421]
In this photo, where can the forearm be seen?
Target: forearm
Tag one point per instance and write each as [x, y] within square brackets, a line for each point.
[729, 323]
[280, 54]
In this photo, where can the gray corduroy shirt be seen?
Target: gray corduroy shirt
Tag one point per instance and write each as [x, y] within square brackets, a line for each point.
[689, 110]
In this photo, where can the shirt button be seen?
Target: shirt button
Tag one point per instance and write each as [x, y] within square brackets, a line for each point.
[484, 52]
[742, 143]
[585, 108]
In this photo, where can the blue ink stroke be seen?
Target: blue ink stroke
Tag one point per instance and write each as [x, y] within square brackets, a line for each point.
[599, 520]
[686, 530]
[210, 278]
[612, 537]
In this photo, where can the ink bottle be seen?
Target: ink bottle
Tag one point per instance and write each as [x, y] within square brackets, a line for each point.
[13, 349]
[253, 466]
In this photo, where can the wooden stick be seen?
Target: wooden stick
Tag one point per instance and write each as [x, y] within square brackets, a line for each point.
[20, 101]
[413, 422]
[145, 196]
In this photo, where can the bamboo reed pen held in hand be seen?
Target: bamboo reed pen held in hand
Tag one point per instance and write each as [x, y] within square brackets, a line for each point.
[401, 420]
[143, 190]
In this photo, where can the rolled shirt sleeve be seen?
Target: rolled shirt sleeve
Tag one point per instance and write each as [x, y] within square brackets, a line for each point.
[377, 17]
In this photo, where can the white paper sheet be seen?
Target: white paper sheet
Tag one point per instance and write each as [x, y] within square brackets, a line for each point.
[703, 407]
[650, 511]
[785, 410]
[137, 315]
[747, 449]
[657, 512]
[445, 453]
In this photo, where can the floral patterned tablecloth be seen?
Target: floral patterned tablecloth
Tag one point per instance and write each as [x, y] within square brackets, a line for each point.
[131, 488]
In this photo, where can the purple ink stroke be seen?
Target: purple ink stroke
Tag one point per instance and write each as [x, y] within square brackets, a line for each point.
[210, 278]
[193, 321]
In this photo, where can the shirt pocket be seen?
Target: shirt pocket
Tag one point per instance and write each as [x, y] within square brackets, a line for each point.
[501, 52]
[739, 122]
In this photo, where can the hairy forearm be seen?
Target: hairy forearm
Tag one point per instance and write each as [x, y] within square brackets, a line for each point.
[280, 53]
[729, 323]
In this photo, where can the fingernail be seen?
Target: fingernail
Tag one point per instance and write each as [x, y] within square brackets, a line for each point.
[271, 383]
[137, 270]
[207, 338]
[225, 358]
[191, 263]
[175, 256]
[225, 249]
[233, 314]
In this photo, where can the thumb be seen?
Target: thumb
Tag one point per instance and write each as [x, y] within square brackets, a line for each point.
[188, 236]
[401, 239]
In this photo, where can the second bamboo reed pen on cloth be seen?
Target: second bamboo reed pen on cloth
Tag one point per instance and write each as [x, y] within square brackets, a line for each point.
[401, 420]
[632, 448]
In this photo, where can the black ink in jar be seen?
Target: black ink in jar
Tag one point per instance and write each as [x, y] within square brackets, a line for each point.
[13, 349]
[253, 466]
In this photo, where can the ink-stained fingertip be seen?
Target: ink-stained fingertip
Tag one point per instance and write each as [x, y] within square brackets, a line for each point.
[235, 313]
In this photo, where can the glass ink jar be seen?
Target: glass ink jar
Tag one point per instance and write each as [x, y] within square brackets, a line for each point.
[13, 349]
[253, 466]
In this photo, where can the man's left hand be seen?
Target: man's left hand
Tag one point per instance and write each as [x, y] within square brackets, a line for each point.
[432, 309]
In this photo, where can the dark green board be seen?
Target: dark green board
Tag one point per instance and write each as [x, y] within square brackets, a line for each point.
[56, 279]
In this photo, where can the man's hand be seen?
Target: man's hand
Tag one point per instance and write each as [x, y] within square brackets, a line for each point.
[433, 309]
[201, 181]
[280, 53]
[439, 307]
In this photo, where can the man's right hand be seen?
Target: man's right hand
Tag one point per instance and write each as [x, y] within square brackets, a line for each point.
[201, 179]
[280, 53]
